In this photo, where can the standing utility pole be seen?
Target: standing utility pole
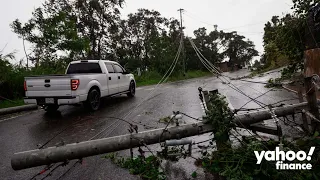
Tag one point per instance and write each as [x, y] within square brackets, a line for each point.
[182, 36]
[25, 52]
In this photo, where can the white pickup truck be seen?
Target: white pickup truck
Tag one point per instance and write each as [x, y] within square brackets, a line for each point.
[85, 82]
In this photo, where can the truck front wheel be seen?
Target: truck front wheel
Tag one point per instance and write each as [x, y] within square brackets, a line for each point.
[93, 100]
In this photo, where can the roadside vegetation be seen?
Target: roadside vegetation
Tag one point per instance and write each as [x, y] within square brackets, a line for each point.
[154, 77]
[7, 103]
[148, 168]
[284, 41]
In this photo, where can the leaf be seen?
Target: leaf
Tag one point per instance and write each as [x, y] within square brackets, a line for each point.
[194, 174]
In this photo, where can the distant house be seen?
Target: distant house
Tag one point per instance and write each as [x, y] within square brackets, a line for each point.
[223, 66]
[226, 66]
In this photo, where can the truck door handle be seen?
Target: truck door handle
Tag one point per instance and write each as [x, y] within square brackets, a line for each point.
[109, 78]
[118, 77]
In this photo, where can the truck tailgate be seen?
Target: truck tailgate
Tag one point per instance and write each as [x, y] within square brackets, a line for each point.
[48, 86]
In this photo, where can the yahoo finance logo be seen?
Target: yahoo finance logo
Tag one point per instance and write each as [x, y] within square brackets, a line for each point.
[280, 157]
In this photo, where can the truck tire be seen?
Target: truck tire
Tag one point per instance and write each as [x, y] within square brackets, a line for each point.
[132, 89]
[93, 100]
[51, 108]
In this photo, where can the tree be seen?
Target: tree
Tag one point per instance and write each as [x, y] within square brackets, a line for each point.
[62, 31]
[302, 7]
[256, 64]
[147, 38]
[283, 39]
[237, 49]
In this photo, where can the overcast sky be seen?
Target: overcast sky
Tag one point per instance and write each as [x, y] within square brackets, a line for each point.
[245, 16]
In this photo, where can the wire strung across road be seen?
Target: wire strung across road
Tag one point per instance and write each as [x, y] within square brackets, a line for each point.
[254, 99]
[214, 70]
[74, 165]
[163, 79]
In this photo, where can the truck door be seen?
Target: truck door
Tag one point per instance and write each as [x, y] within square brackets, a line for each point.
[124, 80]
[113, 81]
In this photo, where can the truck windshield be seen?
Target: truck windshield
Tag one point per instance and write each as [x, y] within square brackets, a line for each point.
[84, 68]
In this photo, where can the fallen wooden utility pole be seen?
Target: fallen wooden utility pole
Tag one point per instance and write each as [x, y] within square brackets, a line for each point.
[28, 159]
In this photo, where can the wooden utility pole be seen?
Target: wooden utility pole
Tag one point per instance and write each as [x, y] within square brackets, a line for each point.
[312, 63]
[182, 36]
[304, 117]
[38, 157]
[312, 102]
[25, 52]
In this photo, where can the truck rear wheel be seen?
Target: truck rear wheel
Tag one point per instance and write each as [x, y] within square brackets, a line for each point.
[132, 89]
[93, 100]
[51, 108]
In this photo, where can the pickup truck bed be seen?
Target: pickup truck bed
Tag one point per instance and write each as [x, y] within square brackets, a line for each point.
[56, 89]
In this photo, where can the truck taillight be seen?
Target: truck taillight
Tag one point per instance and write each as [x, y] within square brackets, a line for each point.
[75, 84]
[25, 85]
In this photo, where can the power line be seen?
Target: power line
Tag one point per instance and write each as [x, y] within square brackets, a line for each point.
[163, 79]
[245, 25]
[214, 70]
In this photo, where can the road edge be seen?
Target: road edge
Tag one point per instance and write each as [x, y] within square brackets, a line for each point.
[16, 109]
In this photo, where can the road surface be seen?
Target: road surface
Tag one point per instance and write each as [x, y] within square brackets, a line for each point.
[31, 130]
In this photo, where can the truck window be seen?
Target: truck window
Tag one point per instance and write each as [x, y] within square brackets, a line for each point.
[109, 68]
[118, 68]
[84, 68]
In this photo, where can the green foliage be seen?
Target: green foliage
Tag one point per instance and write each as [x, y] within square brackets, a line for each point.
[12, 78]
[256, 64]
[285, 38]
[152, 77]
[240, 163]
[194, 174]
[219, 114]
[148, 78]
[287, 72]
[238, 50]
[166, 120]
[274, 83]
[7, 103]
[146, 168]
[302, 6]
[221, 117]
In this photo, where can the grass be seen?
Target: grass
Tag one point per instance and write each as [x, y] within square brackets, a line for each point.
[7, 103]
[151, 78]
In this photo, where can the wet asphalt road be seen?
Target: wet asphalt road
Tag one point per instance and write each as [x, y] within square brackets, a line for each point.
[31, 130]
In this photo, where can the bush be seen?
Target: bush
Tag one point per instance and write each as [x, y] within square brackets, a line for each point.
[12, 82]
